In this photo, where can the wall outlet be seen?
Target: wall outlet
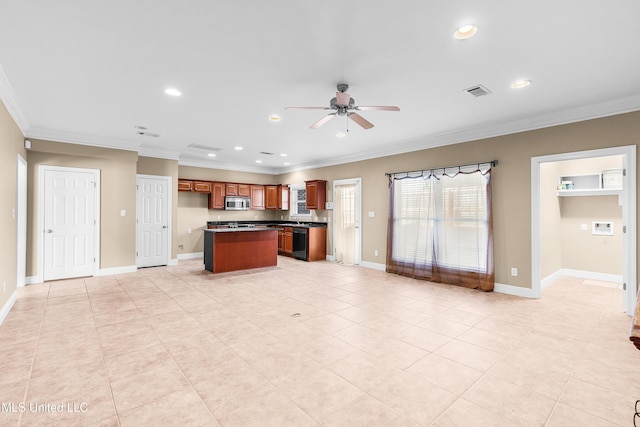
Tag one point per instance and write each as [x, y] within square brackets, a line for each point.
[188, 230]
[514, 272]
[372, 214]
[375, 253]
[583, 227]
[123, 212]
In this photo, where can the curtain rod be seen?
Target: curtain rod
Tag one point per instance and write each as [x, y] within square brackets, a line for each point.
[492, 162]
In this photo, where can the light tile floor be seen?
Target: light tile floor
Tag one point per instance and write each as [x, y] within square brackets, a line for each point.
[313, 344]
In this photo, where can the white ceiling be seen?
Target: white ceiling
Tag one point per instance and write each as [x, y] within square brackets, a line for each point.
[90, 71]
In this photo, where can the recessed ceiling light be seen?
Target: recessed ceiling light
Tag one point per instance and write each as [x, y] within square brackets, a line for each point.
[211, 154]
[172, 91]
[274, 118]
[465, 32]
[520, 84]
[258, 161]
[287, 163]
[341, 134]
[283, 155]
[238, 148]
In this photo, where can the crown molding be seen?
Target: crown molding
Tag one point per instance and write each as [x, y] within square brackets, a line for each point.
[82, 139]
[8, 97]
[227, 166]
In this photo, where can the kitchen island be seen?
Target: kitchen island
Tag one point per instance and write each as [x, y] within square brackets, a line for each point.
[232, 249]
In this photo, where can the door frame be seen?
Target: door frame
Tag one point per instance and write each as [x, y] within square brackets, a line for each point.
[168, 181]
[629, 219]
[358, 234]
[21, 221]
[39, 277]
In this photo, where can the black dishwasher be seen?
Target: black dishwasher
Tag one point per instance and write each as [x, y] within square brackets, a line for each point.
[300, 243]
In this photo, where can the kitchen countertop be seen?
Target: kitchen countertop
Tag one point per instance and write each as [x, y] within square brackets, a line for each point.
[268, 223]
[238, 229]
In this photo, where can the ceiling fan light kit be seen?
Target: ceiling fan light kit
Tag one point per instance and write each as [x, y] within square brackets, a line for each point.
[345, 105]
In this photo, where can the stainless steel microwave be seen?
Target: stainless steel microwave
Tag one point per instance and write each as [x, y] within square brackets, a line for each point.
[234, 203]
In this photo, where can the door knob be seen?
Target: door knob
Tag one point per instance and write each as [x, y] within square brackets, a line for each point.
[49, 230]
[164, 226]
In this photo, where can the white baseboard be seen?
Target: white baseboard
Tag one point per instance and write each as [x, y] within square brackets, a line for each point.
[191, 255]
[373, 265]
[173, 261]
[518, 291]
[4, 312]
[117, 270]
[550, 278]
[30, 280]
[331, 258]
[605, 277]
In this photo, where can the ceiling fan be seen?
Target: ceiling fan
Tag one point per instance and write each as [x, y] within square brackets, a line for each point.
[344, 105]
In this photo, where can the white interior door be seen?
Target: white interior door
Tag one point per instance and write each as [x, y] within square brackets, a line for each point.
[69, 223]
[346, 221]
[152, 221]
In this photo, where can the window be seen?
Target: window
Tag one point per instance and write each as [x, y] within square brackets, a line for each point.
[440, 227]
[299, 201]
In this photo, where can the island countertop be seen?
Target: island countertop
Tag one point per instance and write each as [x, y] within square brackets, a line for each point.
[238, 229]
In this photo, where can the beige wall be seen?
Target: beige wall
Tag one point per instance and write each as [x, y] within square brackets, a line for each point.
[117, 192]
[11, 144]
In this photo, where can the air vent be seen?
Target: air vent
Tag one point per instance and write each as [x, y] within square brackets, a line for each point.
[478, 90]
[143, 133]
[204, 147]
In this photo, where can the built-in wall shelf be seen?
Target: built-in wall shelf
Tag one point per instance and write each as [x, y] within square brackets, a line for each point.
[596, 192]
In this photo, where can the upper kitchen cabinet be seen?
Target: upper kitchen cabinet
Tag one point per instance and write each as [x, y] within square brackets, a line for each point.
[276, 197]
[316, 194]
[216, 198]
[185, 185]
[257, 197]
[233, 189]
[202, 186]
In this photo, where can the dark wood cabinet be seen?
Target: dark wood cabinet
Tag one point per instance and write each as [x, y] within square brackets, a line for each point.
[257, 197]
[317, 244]
[316, 194]
[185, 185]
[216, 197]
[271, 196]
[234, 189]
[288, 240]
[202, 186]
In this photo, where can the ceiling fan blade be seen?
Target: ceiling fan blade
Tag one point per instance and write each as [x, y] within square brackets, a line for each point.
[379, 107]
[307, 108]
[322, 121]
[366, 124]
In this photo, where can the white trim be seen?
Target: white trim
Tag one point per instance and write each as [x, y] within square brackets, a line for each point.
[373, 265]
[6, 308]
[550, 279]
[191, 255]
[518, 291]
[331, 258]
[173, 261]
[583, 274]
[8, 97]
[21, 220]
[117, 270]
[169, 182]
[629, 217]
[358, 236]
[40, 223]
